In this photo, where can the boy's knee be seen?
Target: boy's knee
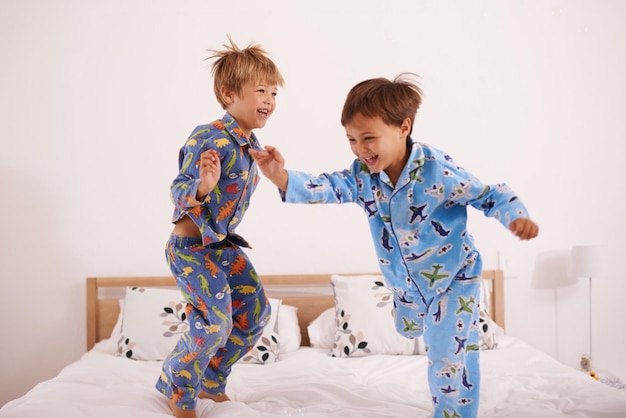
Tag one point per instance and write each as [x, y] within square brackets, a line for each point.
[411, 326]
[265, 315]
[215, 330]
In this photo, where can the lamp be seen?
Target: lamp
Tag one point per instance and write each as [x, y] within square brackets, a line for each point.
[588, 261]
[552, 272]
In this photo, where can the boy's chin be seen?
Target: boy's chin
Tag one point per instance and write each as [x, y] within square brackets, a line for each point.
[376, 168]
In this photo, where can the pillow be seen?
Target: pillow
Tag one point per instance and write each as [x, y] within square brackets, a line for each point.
[110, 345]
[321, 330]
[490, 332]
[288, 328]
[267, 348]
[364, 323]
[152, 319]
[281, 335]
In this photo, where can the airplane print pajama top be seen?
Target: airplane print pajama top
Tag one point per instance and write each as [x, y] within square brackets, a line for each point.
[426, 256]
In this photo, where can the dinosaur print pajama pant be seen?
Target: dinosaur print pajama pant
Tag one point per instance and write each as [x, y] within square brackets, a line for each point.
[449, 322]
[227, 310]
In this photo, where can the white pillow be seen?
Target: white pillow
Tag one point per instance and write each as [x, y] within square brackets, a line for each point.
[364, 323]
[288, 328]
[110, 345]
[322, 330]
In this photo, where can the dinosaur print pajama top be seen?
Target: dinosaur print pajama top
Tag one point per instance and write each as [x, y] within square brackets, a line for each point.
[227, 308]
[426, 256]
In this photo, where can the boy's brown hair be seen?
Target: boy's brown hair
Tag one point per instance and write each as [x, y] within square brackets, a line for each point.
[235, 67]
[392, 101]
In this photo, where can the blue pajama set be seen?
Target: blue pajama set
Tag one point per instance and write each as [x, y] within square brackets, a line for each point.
[227, 308]
[426, 256]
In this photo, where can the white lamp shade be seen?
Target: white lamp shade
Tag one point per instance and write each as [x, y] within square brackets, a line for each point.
[588, 261]
[552, 270]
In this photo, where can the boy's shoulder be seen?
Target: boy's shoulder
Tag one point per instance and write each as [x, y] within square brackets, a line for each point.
[223, 131]
[207, 130]
[430, 153]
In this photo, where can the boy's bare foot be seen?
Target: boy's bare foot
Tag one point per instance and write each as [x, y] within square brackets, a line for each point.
[215, 398]
[181, 413]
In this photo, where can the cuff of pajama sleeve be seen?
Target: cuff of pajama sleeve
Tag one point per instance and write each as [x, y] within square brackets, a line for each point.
[194, 192]
[292, 186]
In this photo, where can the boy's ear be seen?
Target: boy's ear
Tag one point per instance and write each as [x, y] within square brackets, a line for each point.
[227, 95]
[405, 128]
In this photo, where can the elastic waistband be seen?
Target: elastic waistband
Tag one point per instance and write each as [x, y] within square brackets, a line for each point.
[184, 242]
[230, 240]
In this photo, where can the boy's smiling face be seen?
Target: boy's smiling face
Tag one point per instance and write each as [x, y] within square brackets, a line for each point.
[380, 146]
[253, 106]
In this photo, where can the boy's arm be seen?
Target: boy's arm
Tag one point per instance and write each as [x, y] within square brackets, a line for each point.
[502, 203]
[338, 187]
[199, 173]
[497, 201]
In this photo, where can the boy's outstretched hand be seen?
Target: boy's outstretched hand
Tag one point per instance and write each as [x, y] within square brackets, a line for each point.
[524, 228]
[272, 165]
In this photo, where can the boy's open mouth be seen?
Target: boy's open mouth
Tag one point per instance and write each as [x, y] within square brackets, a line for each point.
[370, 160]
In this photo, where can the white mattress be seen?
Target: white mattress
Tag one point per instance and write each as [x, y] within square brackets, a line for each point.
[517, 381]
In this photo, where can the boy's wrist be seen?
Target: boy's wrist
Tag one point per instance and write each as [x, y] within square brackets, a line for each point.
[203, 190]
[201, 193]
[282, 181]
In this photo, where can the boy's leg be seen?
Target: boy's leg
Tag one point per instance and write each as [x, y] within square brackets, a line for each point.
[250, 314]
[409, 311]
[452, 341]
[208, 315]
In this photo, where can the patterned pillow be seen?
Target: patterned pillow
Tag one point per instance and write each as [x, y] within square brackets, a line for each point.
[490, 332]
[364, 324]
[324, 331]
[152, 320]
[266, 349]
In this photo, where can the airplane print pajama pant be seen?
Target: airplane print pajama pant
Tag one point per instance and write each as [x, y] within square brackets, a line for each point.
[227, 310]
[449, 322]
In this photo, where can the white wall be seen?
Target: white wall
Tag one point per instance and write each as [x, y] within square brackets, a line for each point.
[96, 97]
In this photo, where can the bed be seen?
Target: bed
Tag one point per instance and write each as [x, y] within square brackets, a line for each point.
[328, 352]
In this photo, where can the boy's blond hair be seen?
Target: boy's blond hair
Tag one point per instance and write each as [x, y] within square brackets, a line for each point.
[392, 101]
[235, 67]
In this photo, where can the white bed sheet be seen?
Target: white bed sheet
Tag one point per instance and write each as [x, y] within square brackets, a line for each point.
[517, 381]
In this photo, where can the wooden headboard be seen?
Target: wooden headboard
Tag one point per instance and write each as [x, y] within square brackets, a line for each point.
[310, 293]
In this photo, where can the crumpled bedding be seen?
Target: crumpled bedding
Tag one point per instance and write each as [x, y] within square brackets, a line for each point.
[517, 381]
